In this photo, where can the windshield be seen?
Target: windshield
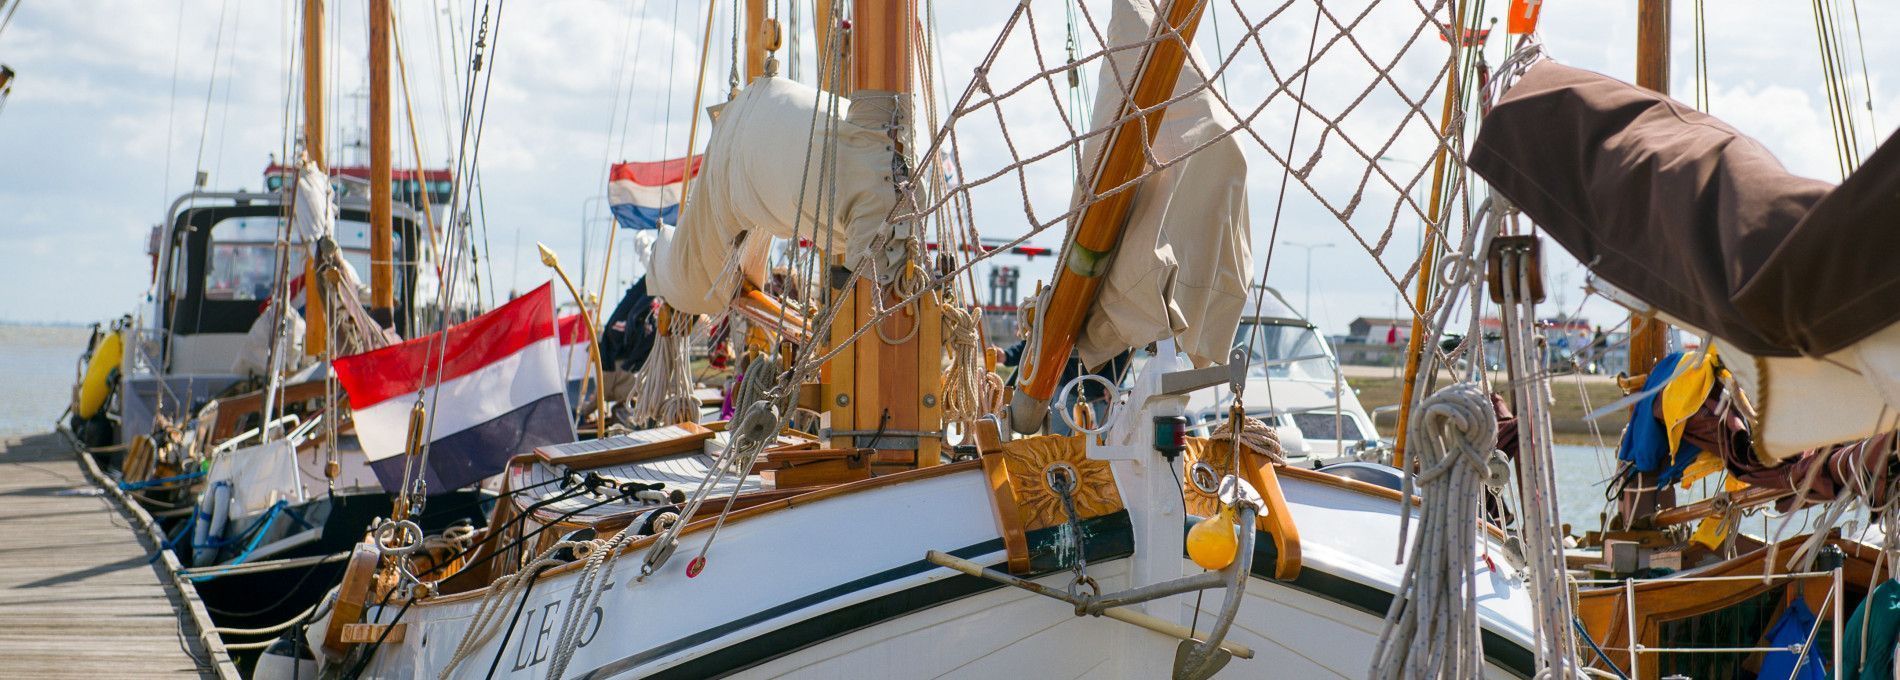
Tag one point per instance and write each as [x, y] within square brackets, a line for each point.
[243, 257]
[1281, 350]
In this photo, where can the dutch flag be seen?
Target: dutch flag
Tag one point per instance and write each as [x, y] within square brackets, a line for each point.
[644, 195]
[502, 392]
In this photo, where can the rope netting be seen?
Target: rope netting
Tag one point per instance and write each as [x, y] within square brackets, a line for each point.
[1014, 151]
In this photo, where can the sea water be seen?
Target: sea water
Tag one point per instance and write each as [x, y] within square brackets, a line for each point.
[38, 366]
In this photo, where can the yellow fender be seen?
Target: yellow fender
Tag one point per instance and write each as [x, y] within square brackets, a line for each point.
[96, 385]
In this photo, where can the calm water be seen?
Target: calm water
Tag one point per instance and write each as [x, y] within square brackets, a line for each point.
[37, 368]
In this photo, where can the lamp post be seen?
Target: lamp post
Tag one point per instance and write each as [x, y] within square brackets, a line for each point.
[1310, 247]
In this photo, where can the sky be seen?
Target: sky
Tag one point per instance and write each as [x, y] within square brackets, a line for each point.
[120, 103]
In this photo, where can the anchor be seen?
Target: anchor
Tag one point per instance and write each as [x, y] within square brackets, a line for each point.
[1201, 652]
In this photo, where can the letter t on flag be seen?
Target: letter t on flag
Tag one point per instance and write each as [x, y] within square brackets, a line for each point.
[1524, 16]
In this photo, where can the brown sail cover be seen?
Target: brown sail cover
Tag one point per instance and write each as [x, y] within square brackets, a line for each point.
[1683, 211]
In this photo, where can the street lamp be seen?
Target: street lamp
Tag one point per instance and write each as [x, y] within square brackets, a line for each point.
[1310, 247]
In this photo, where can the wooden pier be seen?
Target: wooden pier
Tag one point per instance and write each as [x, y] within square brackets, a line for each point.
[80, 595]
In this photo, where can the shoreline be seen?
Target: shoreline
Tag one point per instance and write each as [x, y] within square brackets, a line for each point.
[1573, 397]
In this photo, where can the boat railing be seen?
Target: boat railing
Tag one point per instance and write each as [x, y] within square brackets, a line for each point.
[1833, 603]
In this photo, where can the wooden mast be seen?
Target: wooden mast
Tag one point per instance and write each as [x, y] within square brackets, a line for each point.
[382, 267]
[316, 328]
[1427, 254]
[885, 395]
[313, 83]
[1648, 341]
[824, 23]
[1099, 228]
[761, 39]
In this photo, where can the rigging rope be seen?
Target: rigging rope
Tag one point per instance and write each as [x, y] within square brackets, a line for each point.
[500, 597]
[1541, 543]
[663, 388]
[969, 390]
[1431, 629]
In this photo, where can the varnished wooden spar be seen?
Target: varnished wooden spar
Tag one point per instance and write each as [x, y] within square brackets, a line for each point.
[316, 331]
[879, 386]
[382, 264]
[1647, 340]
[1427, 256]
[1098, 230]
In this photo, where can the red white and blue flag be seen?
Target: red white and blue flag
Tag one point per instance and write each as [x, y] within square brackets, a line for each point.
[494, 387]
[576, 357]
[647, 194]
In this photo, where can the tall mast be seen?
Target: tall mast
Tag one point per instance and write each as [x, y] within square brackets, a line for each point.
[824, 23]
[884, 395]
[1647, 342]
[382, 267]
[761, 39]
[1098, 230]
[316, 330]
[1428, 250]
[313, 82]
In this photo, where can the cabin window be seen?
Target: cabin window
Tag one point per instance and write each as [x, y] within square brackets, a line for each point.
[1319, 425]
[242, 262]
[1284, 351]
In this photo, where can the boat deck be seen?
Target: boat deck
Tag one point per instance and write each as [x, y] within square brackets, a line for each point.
[79, 595]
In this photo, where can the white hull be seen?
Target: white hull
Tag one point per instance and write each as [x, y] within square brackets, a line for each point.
[838, 588]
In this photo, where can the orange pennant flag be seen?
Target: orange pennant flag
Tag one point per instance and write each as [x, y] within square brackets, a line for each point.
[1524, 16]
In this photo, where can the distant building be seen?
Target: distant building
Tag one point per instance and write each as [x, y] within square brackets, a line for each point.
[1379, 330]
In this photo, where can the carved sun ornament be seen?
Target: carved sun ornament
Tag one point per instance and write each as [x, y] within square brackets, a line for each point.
[1030, 463]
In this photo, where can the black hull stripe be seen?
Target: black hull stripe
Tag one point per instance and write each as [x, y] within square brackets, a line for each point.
[1110, 537]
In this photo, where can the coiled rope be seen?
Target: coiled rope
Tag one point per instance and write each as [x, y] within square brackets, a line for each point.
[586, 595]
[969, 391]
[1255, 434]
[1431, 629]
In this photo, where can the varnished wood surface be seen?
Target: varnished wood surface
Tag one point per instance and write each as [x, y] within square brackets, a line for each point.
[78, 598]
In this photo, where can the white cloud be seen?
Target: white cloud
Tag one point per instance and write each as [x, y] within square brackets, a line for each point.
[84, 139]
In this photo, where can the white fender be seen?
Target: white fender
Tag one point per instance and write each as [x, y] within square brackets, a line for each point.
[217, 500]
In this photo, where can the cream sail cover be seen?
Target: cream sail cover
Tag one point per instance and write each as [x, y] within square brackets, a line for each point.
[1194, 211]
[764, 144]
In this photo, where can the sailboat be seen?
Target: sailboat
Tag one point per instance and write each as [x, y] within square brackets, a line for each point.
[1779, 406]
[214, 406]
[922, 527]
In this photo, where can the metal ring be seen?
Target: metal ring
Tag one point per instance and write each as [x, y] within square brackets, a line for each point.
[1068, 416]
[1063, 470]
[388, 532]
[1204, 478]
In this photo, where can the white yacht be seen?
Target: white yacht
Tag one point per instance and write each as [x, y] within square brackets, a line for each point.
[1293, 384]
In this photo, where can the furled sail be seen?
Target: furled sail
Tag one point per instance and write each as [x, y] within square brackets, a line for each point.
[1792, 277]
[1193, 211]
[314, 221]
[778, 138]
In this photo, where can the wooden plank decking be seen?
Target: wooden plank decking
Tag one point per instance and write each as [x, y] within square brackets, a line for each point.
[79, 596]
